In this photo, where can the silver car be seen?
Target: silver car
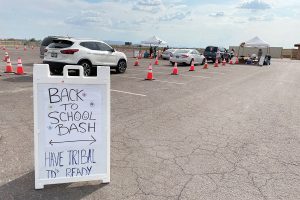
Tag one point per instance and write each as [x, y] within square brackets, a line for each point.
[186, 56]
[167, 53]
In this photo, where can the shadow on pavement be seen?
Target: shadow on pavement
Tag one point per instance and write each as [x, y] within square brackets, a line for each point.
[15, 78]
[23, 188]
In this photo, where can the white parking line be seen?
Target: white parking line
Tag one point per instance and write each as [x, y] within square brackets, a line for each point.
[133, 77]
[136, 94]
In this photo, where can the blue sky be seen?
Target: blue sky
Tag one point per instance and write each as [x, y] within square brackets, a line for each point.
[187, 23]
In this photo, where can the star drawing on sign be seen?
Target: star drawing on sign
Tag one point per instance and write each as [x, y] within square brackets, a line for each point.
[92, 104]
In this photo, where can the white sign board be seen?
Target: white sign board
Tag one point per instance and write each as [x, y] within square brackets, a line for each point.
[71, 126]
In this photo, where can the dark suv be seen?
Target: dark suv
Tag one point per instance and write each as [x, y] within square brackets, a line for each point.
[210, 53]
[46, 41]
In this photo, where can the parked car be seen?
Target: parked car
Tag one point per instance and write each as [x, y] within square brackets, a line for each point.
[46, 41]
[166, 54]
[186, 56]
[88, 53]
[210, 53]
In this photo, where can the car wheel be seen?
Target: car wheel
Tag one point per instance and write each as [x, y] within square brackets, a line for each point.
[203, 61]
[121, 67]
[87, 68]
[56, 70]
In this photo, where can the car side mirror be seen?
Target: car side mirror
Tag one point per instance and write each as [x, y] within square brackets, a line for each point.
[112, 50]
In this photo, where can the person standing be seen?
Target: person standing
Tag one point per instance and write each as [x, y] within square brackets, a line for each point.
[151, 51]
[259, 54]
[231, 53]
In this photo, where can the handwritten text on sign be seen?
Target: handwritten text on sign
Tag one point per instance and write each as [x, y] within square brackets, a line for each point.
[73, 127]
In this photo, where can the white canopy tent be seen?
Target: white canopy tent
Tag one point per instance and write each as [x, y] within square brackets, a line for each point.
[255, 42]
[155, 41]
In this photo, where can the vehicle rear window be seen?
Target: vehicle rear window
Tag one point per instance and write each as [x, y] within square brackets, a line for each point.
[59, 44]
[211, 49]
[182, 51]
[47, 41]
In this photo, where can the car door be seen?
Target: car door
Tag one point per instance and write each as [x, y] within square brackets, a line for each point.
[196, 56]
[108, 54]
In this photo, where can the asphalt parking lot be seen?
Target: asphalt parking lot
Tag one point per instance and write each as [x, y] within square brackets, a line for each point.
[223, 133]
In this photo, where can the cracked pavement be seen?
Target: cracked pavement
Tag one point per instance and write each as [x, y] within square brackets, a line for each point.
[234, 135]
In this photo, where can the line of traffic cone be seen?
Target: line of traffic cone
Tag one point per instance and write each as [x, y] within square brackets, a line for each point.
[149, 74]
[175, 69]
[20, 69]
[192, 67]
[9, 68]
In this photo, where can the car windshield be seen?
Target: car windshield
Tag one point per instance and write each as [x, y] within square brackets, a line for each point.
[211, 49]
[59, 44]
[182, 51]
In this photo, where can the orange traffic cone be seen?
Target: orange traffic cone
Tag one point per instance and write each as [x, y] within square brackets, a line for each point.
[25, 48]
[237, 60]
[150, 73]
[9, 68]
[223, 62]
[192, 67]
[175, 69]
[216, 63]
[205, 65]
[151, 56]
[5, 57]
[231, 62]
[136, 63]
[20, 70]
[3, 48]
[156, 61]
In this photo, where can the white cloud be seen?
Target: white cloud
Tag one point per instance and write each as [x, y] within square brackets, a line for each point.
[217, 14]
[152, 6]
[255, 5]
[261, 18]
[175, 16]
[89, 17]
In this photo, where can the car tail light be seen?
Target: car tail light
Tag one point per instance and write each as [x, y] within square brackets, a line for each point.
[69, 51]
[184, 56]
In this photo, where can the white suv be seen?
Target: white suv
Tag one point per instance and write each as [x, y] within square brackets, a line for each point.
[88, 53]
